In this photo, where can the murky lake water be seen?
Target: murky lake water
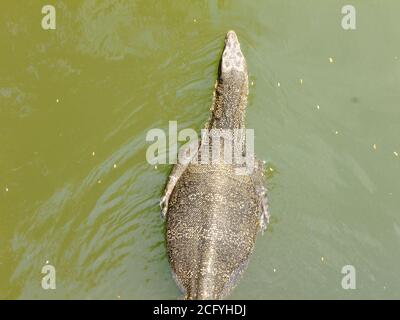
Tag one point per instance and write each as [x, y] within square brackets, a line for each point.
[76, 104]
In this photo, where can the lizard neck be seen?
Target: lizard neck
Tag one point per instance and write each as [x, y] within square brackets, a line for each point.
[230, 101]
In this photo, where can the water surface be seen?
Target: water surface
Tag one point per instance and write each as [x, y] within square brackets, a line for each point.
[76, 103]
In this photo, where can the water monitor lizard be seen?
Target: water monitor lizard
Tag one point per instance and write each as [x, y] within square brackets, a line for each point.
[213, 214]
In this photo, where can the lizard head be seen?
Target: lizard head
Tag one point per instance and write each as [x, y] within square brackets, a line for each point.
[232, 57]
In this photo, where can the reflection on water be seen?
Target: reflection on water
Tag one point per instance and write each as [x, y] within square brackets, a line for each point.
[76, 103]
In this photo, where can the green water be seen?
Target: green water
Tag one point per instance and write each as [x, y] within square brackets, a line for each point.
[76, 104]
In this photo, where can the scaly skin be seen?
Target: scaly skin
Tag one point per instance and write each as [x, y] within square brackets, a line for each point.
[214, 214]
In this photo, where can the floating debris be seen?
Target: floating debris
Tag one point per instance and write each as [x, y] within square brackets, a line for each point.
[194, 20]
[301, 81]
[279, 84]
[322, 259]
[374, 146]
[274, 270]
[155, 167]
[336, 132]
[395, 153]
[252, 83]
[318, 106]
[115, 165]
[47, 261]
[57, 100]
[93, 153]
[6, 189]
[98, 181]
[330, 59]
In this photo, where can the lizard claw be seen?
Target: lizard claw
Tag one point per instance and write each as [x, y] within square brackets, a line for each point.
[164, 207]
